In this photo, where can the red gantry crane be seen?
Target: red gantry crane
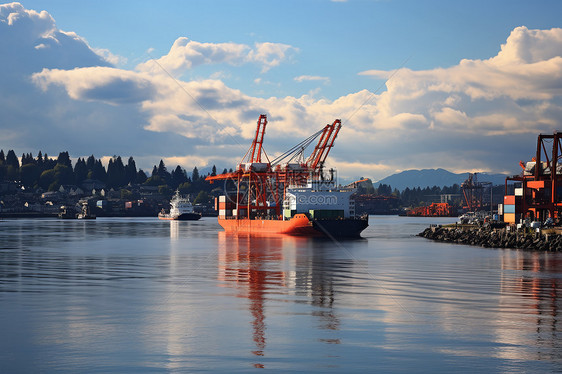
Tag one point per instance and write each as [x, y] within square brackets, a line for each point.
[265, 181]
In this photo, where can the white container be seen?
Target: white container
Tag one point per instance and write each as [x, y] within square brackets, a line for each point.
[500, 209]
[519, 191]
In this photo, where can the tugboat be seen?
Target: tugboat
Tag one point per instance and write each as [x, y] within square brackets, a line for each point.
[289, 195]
[181, 209]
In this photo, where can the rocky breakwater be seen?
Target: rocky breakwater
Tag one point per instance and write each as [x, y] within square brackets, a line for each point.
[495, 238]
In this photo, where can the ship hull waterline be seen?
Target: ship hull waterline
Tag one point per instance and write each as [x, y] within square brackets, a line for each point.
[299, 225]
[181, 217]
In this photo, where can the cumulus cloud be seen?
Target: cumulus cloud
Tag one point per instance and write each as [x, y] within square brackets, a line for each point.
[186, 54]
[507, 93]
[304, 78]
[34, 42]
[105, 84]
[476, 115]
[270, 54]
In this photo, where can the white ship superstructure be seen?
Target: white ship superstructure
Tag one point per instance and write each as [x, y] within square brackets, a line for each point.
[180, 209]
[320, 199]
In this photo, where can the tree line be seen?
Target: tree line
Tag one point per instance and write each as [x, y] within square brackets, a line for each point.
[48, 174]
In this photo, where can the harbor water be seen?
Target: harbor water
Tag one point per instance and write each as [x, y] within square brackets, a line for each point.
[139, 295]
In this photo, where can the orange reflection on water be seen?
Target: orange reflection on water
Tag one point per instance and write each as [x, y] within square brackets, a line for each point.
[537, 289]
[254, 264]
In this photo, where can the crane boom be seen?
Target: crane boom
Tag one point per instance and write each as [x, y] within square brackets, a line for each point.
[325, 144]
[258, 139]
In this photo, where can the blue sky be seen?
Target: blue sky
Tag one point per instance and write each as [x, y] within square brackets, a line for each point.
[457, 102]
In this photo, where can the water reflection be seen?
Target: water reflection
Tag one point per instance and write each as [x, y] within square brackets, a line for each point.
[534, 278]
[281, 268]
[254, 266]
[184, 297]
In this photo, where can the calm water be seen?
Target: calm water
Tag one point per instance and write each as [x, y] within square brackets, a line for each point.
[143, 296]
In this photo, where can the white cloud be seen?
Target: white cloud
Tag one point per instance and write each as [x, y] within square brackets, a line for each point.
[270, 54]
[303, 78]
[105, 84]
[110, 57]
[186, 54]
[478, 114]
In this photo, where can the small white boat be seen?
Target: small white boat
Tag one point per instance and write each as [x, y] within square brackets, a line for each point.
[181, 209]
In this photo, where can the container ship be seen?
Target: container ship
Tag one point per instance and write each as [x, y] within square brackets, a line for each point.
[291, 194]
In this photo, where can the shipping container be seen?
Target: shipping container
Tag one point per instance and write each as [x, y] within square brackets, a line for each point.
[500, 209]
[509, 200]
[326, 214]
[509, 217]
[227, 205]
[519, 191]
[535, 184]
[509, 209]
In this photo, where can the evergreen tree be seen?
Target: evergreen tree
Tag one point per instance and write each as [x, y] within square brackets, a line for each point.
[48, 163]
[98, 172]
[80, 171]
[141, 176]
[119, 170]
[131, 171]
[161, 169]
[178, 177]
[111, 175]
[2, 157]
[115, 172]
[12, 159]
[12, 164]
[214, 171]
[40, 159]
[154, 171]
[195, 174]
[64, 159]
[163, 173]
[91, 163]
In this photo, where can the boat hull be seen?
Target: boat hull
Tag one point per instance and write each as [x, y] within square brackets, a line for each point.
[299, 225]
[181, 217]
[341, 228]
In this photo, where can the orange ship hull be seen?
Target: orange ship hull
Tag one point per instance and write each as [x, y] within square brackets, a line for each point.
[298, 225]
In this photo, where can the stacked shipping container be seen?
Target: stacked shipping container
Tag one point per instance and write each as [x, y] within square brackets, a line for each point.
[511, 208]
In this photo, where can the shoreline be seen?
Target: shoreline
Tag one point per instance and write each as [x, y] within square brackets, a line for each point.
[543, 240]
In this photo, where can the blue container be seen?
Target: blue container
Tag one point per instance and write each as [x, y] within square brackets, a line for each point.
[509, 208]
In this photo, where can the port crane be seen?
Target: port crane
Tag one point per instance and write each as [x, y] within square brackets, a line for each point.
[539, 195]
[264, 181]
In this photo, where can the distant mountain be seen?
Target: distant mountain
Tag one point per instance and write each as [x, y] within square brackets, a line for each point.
[434, 177]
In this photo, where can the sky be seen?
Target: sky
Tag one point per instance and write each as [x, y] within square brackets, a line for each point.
[464, 86]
